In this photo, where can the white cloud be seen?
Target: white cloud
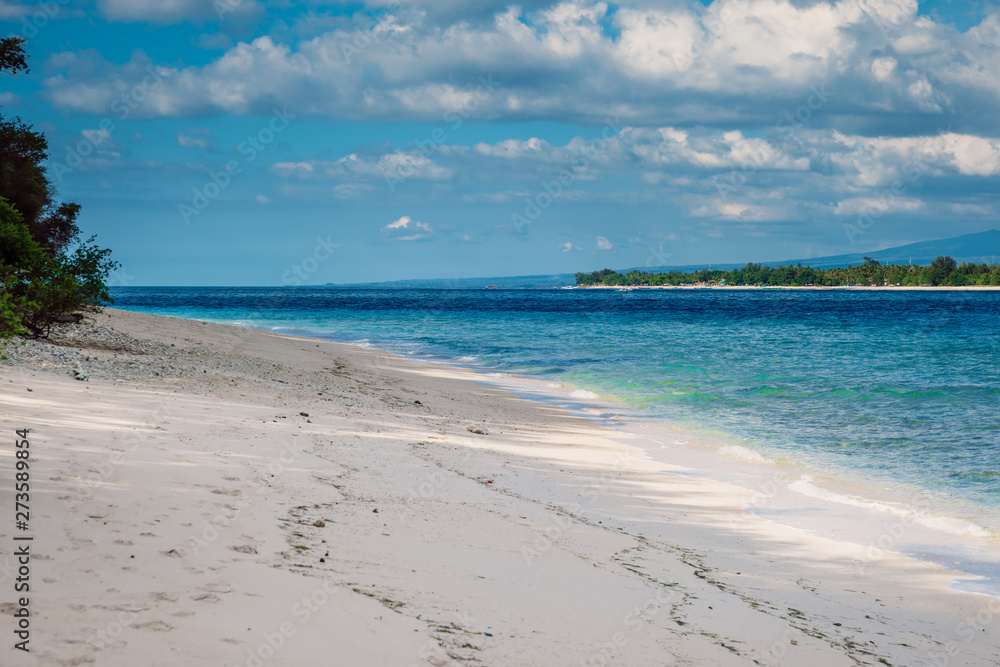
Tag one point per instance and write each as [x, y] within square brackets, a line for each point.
[262, 199]
[971, 209]
[603, 243]
[403, 222]
[351, 190]
[878, 205]
[10, 11]
[419, 230]
[197, 138]
[682, 64]
[396, 167]
[175, 11]
[569, 247]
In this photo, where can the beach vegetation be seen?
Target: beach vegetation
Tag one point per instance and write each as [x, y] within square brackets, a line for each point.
[943, 271]
[47, 273]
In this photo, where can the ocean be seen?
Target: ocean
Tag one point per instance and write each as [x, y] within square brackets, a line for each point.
[838, 408]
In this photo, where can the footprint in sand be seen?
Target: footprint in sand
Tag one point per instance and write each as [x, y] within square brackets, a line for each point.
[173, 553]
[218, 587]
[157, 626]
[206, 597]
[164, 597]
[244, 549]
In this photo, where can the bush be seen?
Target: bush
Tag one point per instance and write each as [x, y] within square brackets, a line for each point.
[61, 286]
[37, 290]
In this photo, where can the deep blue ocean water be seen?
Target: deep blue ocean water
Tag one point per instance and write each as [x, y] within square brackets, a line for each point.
[882, 387]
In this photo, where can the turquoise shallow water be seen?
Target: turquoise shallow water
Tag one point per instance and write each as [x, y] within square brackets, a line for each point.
[881, 388]
[904, 385]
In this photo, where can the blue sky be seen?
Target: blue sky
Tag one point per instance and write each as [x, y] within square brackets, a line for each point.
[241, 142]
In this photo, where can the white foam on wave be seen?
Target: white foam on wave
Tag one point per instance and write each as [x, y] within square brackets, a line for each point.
[583, 393]
[945, 524]
[742, 453]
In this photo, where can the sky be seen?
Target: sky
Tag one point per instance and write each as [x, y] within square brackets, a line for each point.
[248, 142]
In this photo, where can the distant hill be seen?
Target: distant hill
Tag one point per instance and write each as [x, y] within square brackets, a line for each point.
[980, 247]
[508, 282]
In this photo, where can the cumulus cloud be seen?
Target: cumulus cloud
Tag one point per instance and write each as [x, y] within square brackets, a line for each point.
[711, 174]
[731, 62]
[197, 138]
[390, 167]
[401, 230]
[604, 244]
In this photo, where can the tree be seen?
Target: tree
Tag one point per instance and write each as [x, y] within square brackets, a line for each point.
[941, 269]
[12, 56]
[41, 281]
[16, 249]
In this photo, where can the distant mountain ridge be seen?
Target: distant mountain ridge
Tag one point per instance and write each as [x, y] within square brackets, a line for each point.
[979, 247]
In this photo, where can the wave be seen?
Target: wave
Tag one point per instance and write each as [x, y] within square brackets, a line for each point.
[583, 393]
[742, 453]
[945, 524]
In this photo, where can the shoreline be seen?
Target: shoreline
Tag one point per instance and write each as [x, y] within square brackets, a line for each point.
[783, 490]
[818, 288]
[514, 532]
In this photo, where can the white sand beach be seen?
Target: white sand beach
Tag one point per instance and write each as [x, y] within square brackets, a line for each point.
[208, 495]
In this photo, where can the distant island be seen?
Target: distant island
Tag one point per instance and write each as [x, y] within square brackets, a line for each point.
[943, 271]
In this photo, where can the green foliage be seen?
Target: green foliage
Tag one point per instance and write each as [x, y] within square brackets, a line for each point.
[942, 271]
[43, 278]
[12, 57]
[16, 249]
[60, 286]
